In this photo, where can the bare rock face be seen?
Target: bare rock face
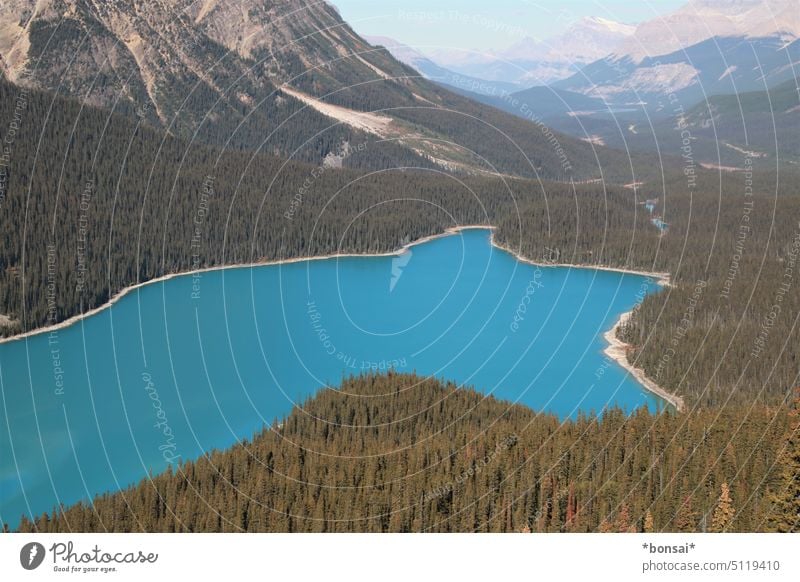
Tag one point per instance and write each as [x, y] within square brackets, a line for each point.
[195, 68]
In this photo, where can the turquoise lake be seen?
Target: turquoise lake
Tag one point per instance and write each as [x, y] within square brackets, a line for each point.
[182, 366]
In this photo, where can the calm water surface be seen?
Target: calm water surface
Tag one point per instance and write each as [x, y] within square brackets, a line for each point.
[186, 365]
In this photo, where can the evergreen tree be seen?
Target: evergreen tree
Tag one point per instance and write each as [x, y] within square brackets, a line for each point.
[785, 513]
[686, 518]
[724, 512]
[313, 473]
[648, 522]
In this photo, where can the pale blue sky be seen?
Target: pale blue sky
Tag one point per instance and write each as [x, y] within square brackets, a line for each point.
[486, 24]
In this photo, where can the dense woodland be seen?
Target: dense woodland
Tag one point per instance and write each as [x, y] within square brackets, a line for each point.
[401, 453]
[732, 257]
[725, 129]
[127, 204]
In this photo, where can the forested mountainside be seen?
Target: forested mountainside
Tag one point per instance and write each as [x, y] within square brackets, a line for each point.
[125, 204]
[758, 128]
[248, 75]
[147, 61]
[401, 453]
[727, 331]
[761, 125]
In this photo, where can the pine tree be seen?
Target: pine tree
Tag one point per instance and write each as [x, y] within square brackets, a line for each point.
[605, 526]
[622, 524]
[648, 522]
[784, 514]
[724, 512]
[571, 505]
[686, 518]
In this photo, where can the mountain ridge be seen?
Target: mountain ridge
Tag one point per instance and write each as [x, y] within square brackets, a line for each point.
[715, 66]
[700, 20]
[535, 61]
[213, 73]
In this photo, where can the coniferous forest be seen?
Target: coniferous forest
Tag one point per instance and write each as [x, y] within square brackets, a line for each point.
[402, 453]
[130, 199]
[121, 208]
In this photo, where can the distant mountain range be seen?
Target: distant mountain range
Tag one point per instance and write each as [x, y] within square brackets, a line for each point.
[541, 103]
[700, 20]
[714, 66]
[534, 61]
[759, 128]
[707, 47]
[685, 67]
[430, 70]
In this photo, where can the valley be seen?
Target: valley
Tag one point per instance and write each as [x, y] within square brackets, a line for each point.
[261, 272]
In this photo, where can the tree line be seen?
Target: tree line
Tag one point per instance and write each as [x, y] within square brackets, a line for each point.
[92, 204]
[403, 453]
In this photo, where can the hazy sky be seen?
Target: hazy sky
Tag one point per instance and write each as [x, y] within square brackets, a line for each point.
[486, 24]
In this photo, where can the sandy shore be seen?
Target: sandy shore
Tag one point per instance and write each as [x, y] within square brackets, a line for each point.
[76, 318]
[616, 349]
[662, 279]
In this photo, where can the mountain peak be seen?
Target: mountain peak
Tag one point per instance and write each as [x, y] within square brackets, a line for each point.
[699, 20]
[600, 23]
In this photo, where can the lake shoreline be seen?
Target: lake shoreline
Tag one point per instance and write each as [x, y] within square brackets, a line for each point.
[663, 279]
[616, 349]
[272, 263]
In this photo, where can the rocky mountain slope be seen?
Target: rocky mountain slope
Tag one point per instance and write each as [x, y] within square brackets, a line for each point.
[209, 71]
[707, 47]
[279, 76]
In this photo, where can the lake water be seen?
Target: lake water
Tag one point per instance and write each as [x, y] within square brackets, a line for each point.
[182, 366]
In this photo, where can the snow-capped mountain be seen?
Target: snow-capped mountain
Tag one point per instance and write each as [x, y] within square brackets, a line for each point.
[583, 42]
[699, 20]
[707, 47]
[534, 61]
[715, 66]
